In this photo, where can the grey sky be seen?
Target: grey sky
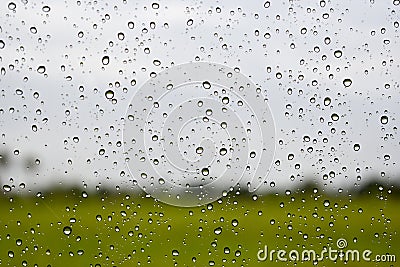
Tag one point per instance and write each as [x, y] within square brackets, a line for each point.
[262, 42]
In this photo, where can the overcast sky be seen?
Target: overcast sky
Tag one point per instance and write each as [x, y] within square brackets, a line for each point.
[298, 52]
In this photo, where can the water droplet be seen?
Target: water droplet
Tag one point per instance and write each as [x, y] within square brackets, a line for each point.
[121, 36]
[175, 252]
[206, 85]
[199, 150]
[2, 44]
[335, 117]
[327, 101]
[33, 30]
[384, 119]
[267, 4]
[225, 100]
[205, 171]
[189, 22]
[155, 5]
[6, 188]
[218, 230]
[105, 60]
[46, 9]
[41, 69]
[347, 82]
[337, 53]
[156, 62]
[235, 222]
[356, 147]
[67, 230]
[109, 94]
[223, 151]
[12, 6]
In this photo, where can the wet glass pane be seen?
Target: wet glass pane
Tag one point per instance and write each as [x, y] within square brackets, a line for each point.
[199, 133]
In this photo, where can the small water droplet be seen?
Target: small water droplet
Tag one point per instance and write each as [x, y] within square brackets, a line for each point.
[67, 230]
[12, 6]
[347, 82]
[225, 100]
[6, 188]
[105, 60]
[41, 69]
[356, 147]
[109, 94]
[335, 117]
[155, 5]
[121, 36]
[33, 30]
[223, 151]
[384, 119]
[199, 150]
[218, 230]
[206, 85]
[337, 53]
[205, 171]
[327, 101]
[46, 9]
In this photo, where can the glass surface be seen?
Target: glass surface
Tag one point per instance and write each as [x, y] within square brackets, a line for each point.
[199, 133]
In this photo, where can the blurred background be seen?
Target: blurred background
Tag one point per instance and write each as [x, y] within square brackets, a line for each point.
[68, 70]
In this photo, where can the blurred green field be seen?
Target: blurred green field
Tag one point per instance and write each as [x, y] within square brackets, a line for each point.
[123, 230]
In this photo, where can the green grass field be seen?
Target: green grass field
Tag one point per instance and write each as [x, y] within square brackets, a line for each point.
[67, 229]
